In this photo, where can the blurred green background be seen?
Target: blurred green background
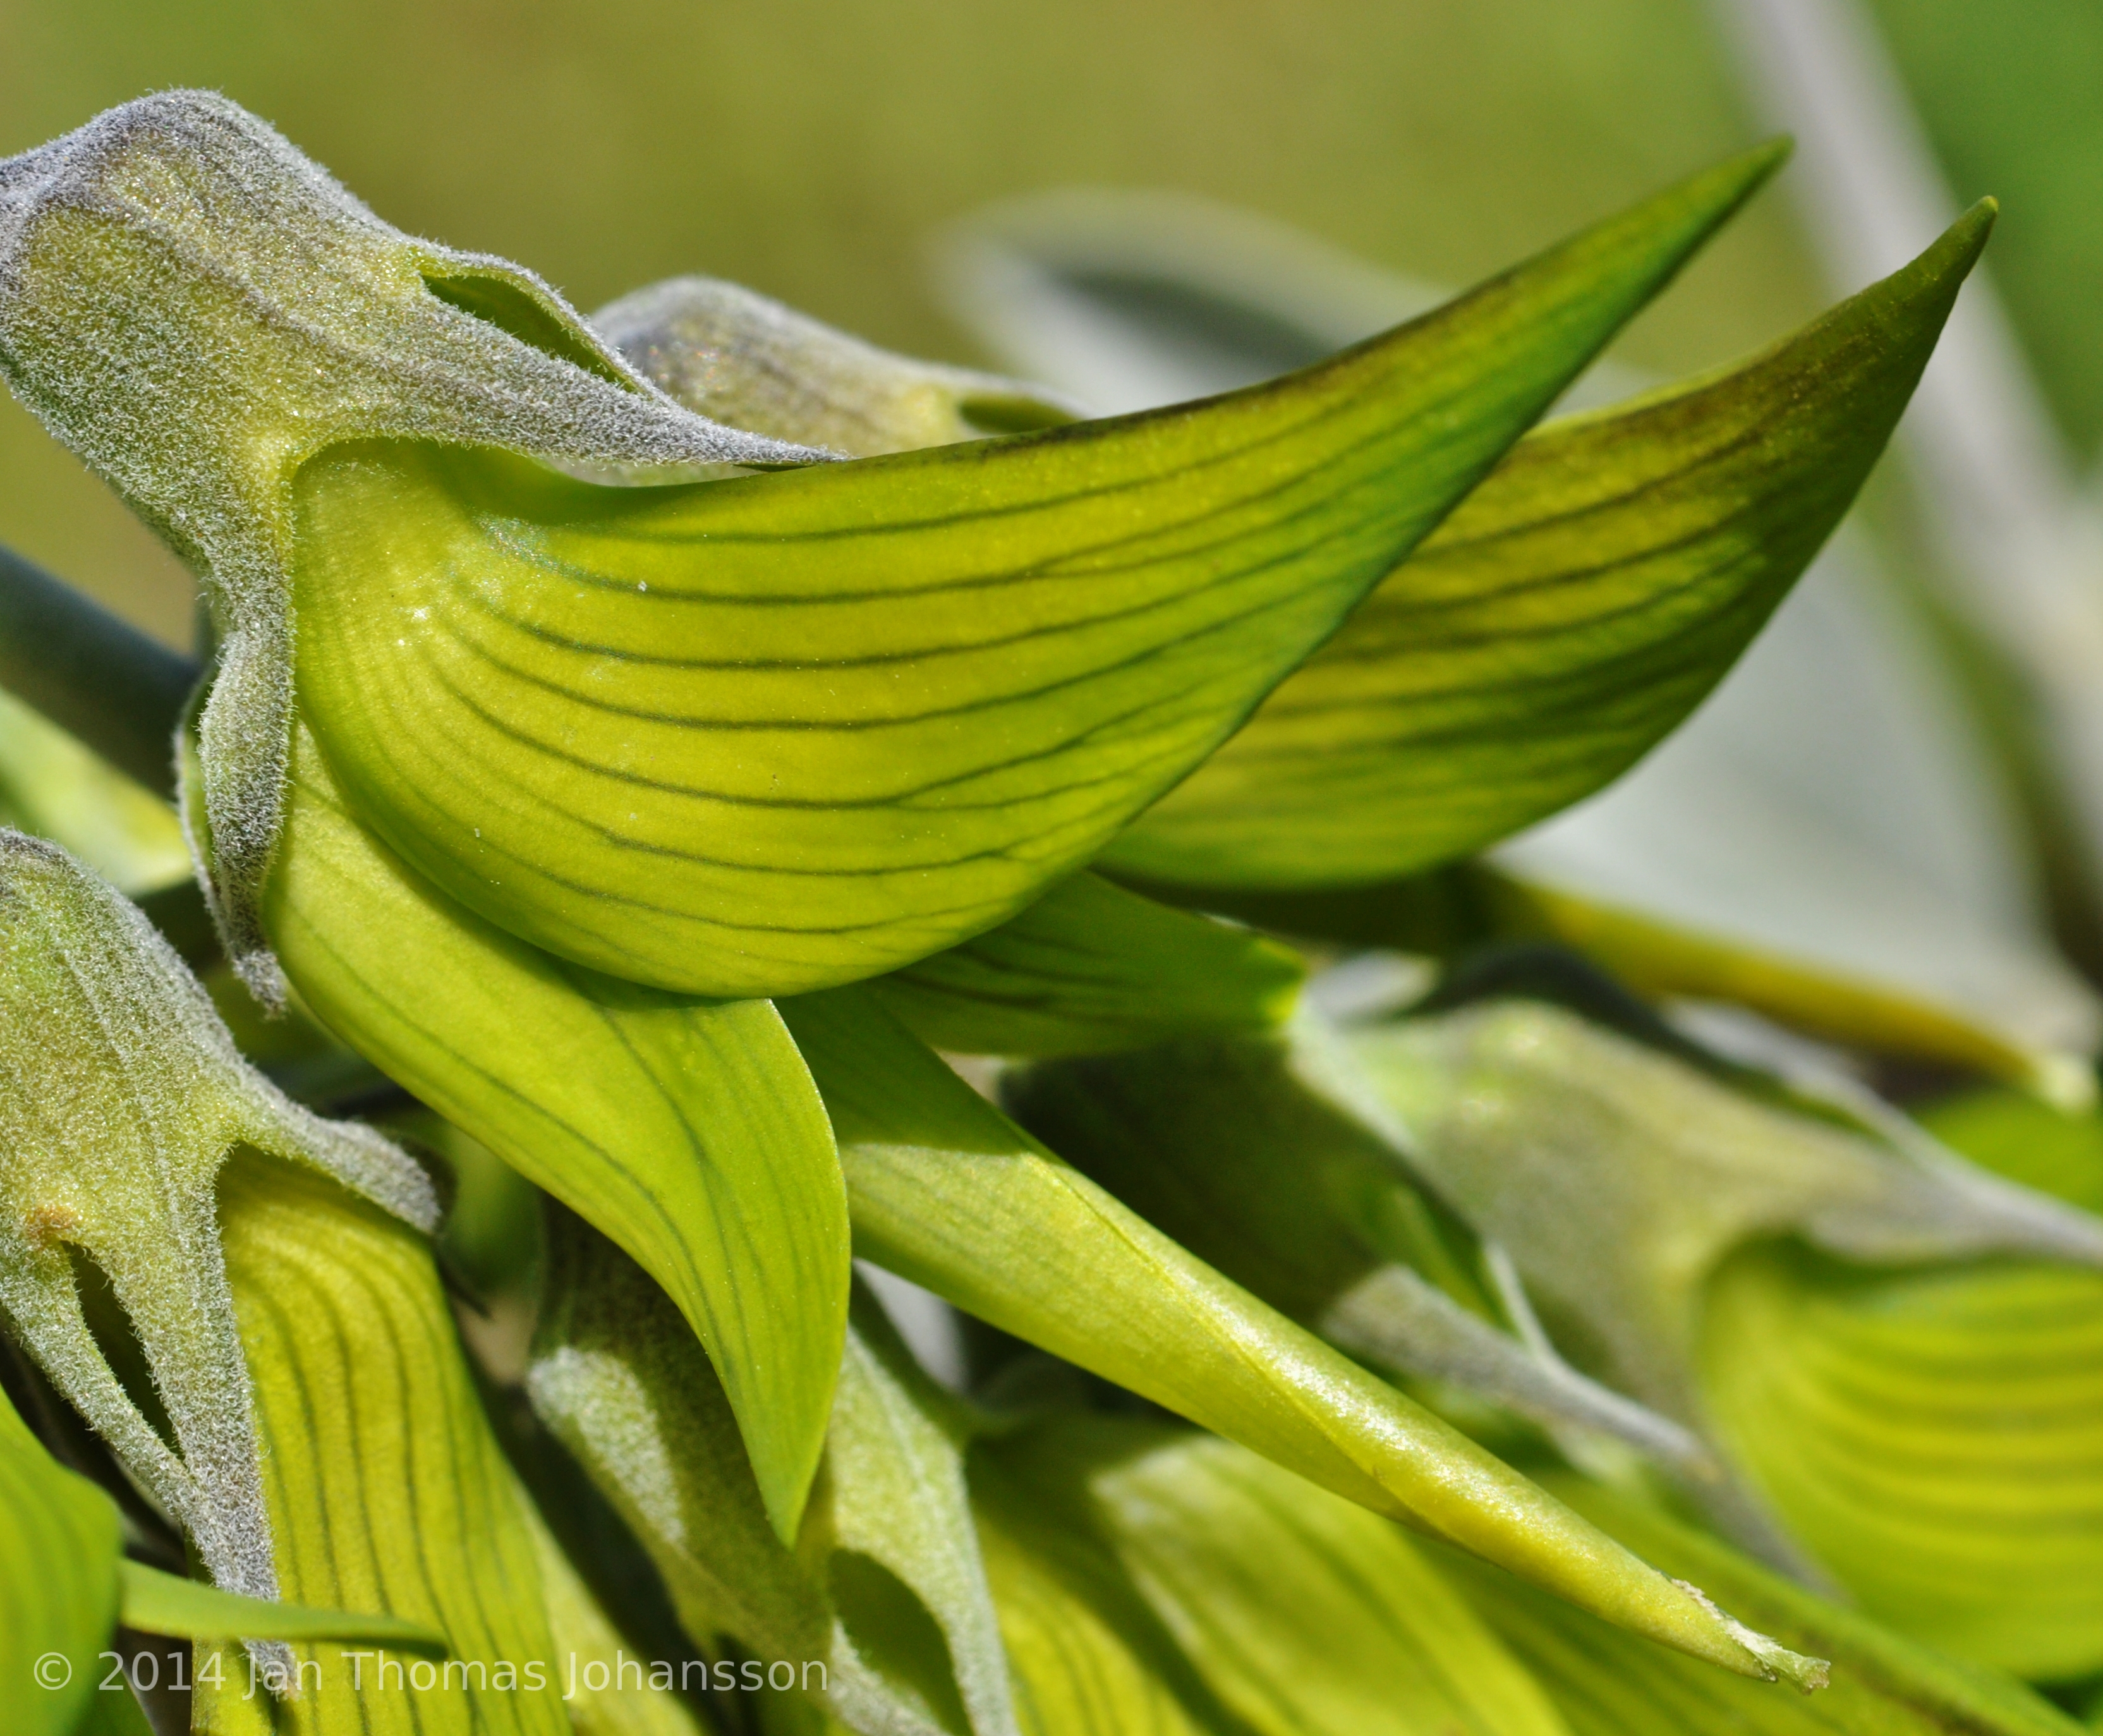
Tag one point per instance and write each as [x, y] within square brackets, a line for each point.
[810, 147]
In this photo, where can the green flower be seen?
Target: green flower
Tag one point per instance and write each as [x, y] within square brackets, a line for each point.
[756, 737]
[546, 747]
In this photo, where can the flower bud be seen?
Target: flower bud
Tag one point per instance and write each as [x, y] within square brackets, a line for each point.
[121, 1096]
[740, 358]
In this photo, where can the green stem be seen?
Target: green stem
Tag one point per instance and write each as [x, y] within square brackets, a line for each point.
[92, 673]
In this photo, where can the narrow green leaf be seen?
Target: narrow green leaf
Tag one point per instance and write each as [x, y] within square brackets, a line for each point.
[1847, 1001]
[765, 735]
[59, 1540]
[1607, 1684]
[1936, 1438]
[1091, 968]
[688, 1130]
[1450, 910]
[947, 1192]
[387, 1490]
[1300, 1611]
[882, 1598]
[1567, 615]
[53, 787]
[158, 1603]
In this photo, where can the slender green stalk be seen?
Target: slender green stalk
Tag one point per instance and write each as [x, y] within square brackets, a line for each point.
[91, 672]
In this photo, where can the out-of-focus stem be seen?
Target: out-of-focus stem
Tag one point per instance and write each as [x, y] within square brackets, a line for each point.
[92, 673]
[1998, 487]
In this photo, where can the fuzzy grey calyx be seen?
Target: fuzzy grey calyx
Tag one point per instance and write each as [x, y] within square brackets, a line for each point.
[121, 1095]
[197, 309]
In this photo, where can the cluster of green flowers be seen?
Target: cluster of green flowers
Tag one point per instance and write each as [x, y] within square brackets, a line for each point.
[727, 801]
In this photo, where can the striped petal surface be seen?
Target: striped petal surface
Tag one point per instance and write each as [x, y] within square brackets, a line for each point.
[1566, 617]
[765, 735]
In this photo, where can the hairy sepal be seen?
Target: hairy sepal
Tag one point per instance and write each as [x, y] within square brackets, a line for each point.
[196, 308]
[736, 357]
[886, 1559]
[121, 1095]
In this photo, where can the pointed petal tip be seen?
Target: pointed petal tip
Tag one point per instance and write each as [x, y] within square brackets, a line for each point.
[1946, 261]
[1976, 224]
[1754, 167]
[1773, 153]
[1769, 1660]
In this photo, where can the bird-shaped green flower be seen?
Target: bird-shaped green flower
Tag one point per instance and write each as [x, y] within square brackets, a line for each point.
[744, 737]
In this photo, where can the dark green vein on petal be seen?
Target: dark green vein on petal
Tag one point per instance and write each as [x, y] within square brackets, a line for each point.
[765, 735]
[1936, 1437]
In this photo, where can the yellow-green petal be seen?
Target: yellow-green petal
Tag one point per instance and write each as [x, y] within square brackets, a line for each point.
[1091, 968]
[581, 1630]
[765, 734]
[1089, 1657]
[1300, 1611]
[60, 1536]
[1934, 1438]
[387, 1490]
[687, 1130]
[1567, 615]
